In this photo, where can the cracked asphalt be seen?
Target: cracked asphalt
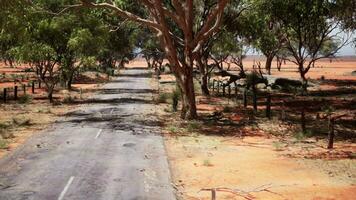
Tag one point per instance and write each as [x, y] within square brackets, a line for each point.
[110, 148]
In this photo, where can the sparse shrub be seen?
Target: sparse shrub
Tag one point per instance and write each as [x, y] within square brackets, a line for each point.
[322, 77]
[28, 70]
[25, 99]
[162, 98]
[173, 129]
[3, 144]
[207, 163]
[278, 146]
[21, 121]
[301, 135]
[68, 99]
[192, 126]
[175, 99]
[227, 109]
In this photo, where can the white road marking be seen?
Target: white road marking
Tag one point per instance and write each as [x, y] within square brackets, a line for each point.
[98, 134]
[66, 188]
[112, 110]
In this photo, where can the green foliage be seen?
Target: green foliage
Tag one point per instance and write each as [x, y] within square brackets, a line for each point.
[176, 95]
[3, 144]
[207, 163]
[162, 98]
[227, 109]
[192, 126]
[278, 146]
[301, 136]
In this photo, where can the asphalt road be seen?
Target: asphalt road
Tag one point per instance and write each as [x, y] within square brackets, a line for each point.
[110, 148]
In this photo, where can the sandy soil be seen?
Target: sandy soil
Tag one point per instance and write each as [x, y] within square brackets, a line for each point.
[252, 164]
[39, 113]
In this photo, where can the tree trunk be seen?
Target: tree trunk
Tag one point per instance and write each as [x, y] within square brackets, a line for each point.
[50, 95]
[303, 72]
[70, 81]
[204, 82]
[204, 85]
[244, 96]
[269, 64]
[189, 110]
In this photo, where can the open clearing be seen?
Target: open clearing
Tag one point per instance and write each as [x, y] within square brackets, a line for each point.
[259, 158]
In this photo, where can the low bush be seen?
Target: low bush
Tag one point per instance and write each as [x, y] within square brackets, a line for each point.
[227, 109]
[25, 99]
[68, 99]
[192, 126]
[175, 99]
[162, 98]
[3, 144]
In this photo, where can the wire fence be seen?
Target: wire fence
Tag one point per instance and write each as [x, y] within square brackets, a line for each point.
[18, 90]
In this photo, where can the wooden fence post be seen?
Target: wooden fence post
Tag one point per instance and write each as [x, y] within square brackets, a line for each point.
[213, 85]
[4, 95]
[223, 89]
[254, 91]
[244, 96]
[229, 91]
[15, 92]
[24, 89]
[33, 87]
[218, 89]
[268, 106]
[331, 134]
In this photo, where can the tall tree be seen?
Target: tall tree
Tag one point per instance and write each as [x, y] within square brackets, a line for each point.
[306, 27]
[179, 35]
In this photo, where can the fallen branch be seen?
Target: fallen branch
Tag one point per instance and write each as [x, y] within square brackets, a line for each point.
[242, 193]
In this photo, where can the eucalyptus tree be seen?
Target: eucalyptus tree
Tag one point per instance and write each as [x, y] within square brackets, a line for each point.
[224, 46]
[12, 27]
[57, 46]
[177, 31]
[259, 29]
[307, 26]
[345, 12]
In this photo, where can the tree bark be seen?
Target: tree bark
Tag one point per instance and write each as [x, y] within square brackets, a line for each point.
[205, 85]
[70, 81]
[50, 95]
[189, 110]
[268, 64]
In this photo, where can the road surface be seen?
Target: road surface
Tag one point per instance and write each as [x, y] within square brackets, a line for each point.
[110, 148]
